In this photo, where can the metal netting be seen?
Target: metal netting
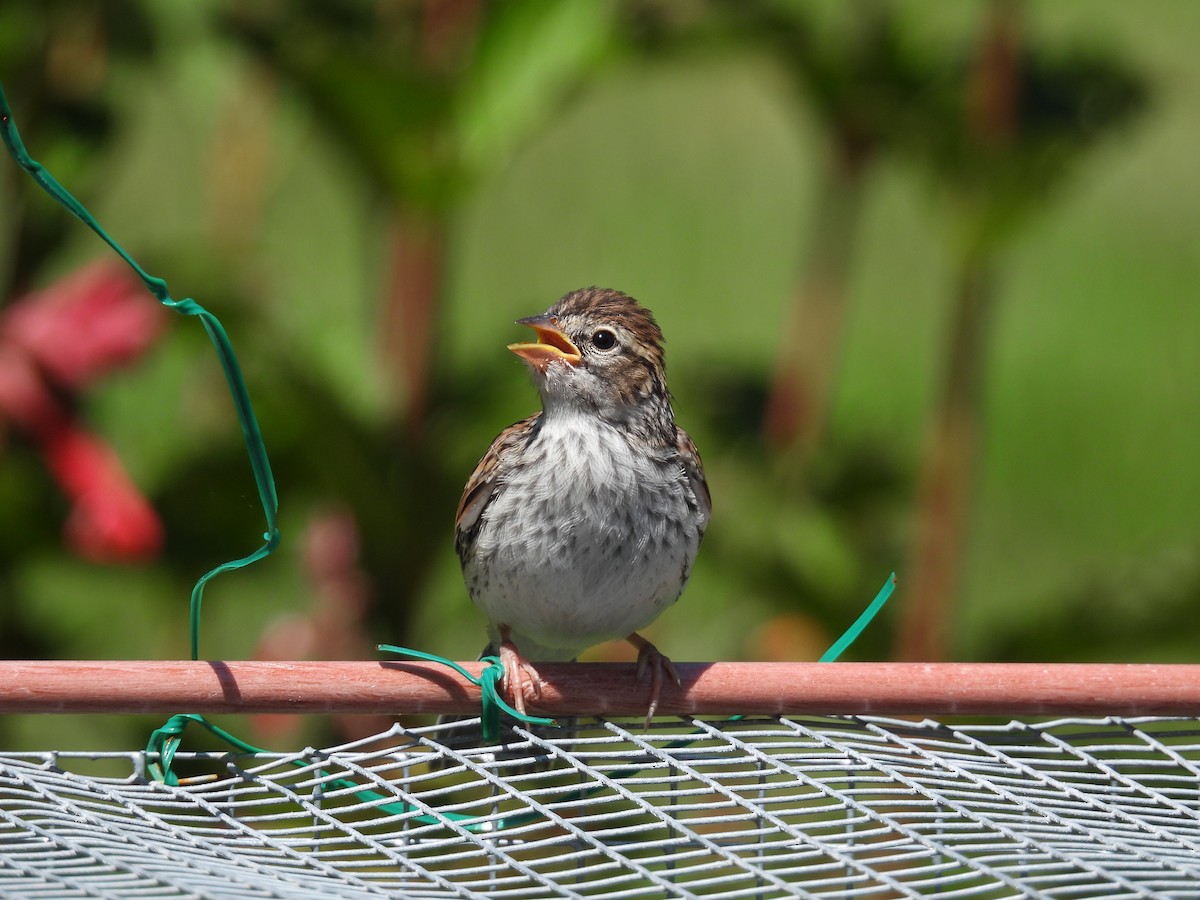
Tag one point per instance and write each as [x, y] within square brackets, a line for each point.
[757, 808]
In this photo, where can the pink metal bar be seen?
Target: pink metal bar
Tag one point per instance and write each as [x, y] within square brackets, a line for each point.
[935, 689]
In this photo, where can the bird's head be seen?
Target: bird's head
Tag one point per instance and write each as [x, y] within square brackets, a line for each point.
[597, 350]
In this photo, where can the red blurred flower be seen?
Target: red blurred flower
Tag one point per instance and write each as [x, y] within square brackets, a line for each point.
[110, 521]
[54, 343]
[85, 325]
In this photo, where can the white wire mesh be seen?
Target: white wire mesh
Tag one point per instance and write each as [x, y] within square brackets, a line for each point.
[763, 808]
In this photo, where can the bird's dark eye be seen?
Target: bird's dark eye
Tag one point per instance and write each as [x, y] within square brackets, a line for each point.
[604, 339]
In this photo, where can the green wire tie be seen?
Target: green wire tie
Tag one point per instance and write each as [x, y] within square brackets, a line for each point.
[850, 635]
[488, 683]
[164, 741]
[255, 448]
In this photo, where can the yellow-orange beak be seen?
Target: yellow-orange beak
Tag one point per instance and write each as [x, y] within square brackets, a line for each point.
[551, 345]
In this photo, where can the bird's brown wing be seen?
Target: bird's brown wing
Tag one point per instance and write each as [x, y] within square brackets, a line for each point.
[695, 473]
[481, 486]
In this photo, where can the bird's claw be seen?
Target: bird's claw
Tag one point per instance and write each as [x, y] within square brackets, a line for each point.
[651, 661]
[521, 679]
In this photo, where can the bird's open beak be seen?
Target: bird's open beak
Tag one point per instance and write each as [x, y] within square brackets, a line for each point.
[552, 344]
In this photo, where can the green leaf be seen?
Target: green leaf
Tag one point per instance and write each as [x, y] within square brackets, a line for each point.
[530, 55]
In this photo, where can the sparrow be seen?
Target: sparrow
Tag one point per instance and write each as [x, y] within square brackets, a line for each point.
[581, 522]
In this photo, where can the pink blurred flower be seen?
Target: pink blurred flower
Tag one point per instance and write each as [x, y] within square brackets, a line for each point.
[85, 325]
[54, 343]
[110, 521]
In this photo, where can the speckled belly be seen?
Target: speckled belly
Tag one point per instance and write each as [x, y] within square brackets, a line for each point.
[585, 552]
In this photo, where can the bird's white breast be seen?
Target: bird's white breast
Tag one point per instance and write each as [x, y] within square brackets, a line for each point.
[586, 541]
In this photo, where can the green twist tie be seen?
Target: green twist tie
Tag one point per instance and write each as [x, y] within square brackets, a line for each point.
[255, 448]
[488, 684]
[860, 624]
[165, 741]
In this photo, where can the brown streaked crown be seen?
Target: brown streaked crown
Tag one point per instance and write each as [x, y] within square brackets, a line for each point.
[607, 305]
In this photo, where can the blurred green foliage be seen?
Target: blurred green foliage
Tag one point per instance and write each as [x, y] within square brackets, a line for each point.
[259, 157]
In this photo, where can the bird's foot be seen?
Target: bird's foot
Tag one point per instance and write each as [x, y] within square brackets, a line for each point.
[521, 679]
[653, 663]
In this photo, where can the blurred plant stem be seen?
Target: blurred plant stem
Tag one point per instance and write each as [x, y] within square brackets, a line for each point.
[417, 249]
[416, 240]
[947, 472]
[842, 81]
[1024, 120]
[949, 461]
[856, 74]
[798, 395]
